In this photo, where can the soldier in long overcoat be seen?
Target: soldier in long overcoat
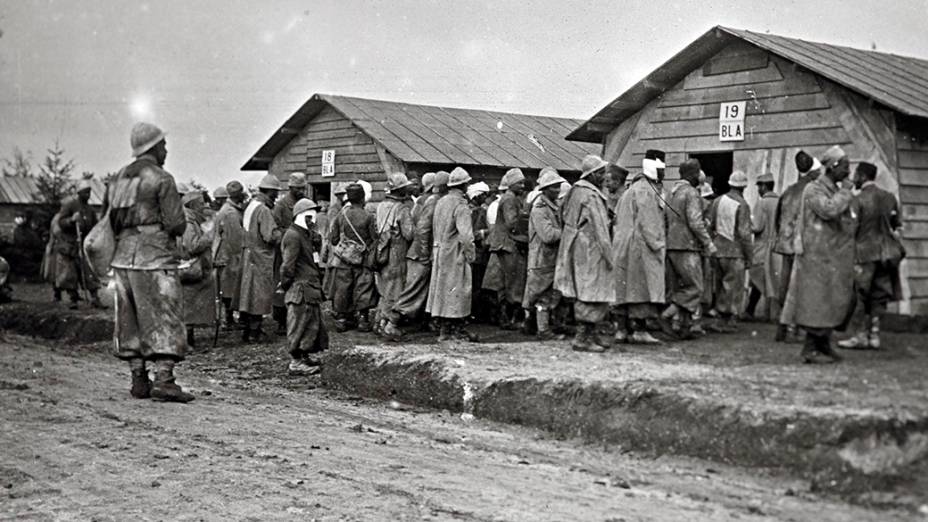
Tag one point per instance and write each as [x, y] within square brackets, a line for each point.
[639, 244]
[199, 285]
[453, 252]
[544, 236]
[228, 242]
[394, 232]
[74, 220]
[824, 279]
[787, 221]
[765, 271]
[262, 235]
[584, 258]
[411, 301]
[283, 215]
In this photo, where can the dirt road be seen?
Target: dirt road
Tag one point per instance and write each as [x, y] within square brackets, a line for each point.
[75, 446]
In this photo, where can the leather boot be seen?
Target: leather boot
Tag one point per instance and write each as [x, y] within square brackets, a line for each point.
[392, 332]
[191, 338]
[461, 333]
[781, 333]
[584, 341]
[364, 322]
[823, 344]
[141, 385]
[543, 322]
[445, 332]
[165, 389]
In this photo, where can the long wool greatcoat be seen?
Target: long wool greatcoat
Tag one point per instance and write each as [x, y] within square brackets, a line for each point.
[638, 245]
[584, 267]
[544, 235]
[824, 285]
[199, 296]
[452, 254]
[394, 217]
[70, 266]
[261, 237]
[765, 274]
[227, 250]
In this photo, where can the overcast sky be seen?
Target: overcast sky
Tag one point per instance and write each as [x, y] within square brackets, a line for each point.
[220, 76]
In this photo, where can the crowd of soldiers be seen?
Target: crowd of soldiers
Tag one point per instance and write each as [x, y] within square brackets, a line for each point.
[611, 255]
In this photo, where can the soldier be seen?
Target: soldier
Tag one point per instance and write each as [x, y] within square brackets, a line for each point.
[338, 196]
[639, 245]
[353, 237]
[765, 272]
[411, 301]
[262, 236]
[74, 220]
[197, 280]
[730, 225]
[394, 232]
[229, 240]
[687, 238]
[301, 279]
[483, 305]
[283, 215]
[450, 286]
[878, 254]
[220, 196]
[787, 222]
[508, 243]
[824, 280]
[584, 256]
[147, 218]
[544, 237]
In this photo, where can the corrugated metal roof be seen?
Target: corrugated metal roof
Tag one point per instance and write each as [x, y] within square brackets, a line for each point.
[898, 82]
[20, 190]
[443, 135]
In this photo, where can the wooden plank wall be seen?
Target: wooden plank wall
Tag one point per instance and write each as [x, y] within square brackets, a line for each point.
[356, 154]
[912, 147]
[787, 110]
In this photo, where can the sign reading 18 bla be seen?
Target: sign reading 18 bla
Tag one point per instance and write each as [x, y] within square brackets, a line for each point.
[731, 121]
[328, 163]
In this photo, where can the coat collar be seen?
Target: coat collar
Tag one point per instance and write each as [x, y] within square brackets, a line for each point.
[587, 185]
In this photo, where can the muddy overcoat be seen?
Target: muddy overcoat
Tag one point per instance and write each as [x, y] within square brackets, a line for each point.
[261, 238]
[452, 254]
[584, 269]
[394, 217]
[544, 235]
[199, 296]
[71, 271]
[824, 278]
[227, 248]
[639, 244]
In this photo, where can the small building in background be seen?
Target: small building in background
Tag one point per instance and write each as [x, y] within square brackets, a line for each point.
[739, 100]
[20, 195]
[338, 140]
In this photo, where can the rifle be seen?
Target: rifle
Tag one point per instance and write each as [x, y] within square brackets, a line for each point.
[217, 306]
[81, 262]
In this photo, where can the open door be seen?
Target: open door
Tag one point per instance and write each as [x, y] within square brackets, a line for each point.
[718, 166]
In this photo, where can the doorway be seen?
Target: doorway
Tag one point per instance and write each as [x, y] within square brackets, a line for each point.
[718, 166]
[321, 192]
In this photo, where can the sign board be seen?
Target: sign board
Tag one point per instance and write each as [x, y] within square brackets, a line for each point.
[328, 163]
[731, 121]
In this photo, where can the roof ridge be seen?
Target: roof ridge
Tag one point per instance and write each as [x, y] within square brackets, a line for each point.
[733, 31]
[380, 100]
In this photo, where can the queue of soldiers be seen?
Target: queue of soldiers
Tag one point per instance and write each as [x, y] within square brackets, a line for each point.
[610, 255]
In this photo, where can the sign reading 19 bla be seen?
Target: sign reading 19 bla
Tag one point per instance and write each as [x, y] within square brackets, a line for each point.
[328, 163]
[731, 121]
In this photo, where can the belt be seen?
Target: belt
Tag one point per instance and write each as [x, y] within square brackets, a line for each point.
[149, 229]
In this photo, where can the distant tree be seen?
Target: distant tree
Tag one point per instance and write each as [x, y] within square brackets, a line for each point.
[54, 179]
[19, 165]
[196, 185]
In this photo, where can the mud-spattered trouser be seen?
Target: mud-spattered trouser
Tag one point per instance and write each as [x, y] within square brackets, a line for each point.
[730, 291]
[873, 283]
[686, 279]
[353, 290]
[306, 331]
[149, 315]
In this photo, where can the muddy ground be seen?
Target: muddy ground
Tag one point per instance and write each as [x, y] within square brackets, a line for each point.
[258, 445]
